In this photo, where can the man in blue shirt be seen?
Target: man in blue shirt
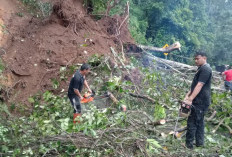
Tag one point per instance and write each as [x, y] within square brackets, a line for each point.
[75, 87]
[199, 97]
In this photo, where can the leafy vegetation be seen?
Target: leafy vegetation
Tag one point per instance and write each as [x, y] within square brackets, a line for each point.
[47, 128]
[37, 8]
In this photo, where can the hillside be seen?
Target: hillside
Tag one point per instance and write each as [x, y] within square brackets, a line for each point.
[135, 112]
[37, 48]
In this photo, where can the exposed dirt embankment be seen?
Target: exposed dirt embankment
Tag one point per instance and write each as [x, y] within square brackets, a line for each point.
[36, 49]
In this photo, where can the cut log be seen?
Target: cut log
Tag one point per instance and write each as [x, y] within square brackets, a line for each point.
[173, 47]
[159, 122]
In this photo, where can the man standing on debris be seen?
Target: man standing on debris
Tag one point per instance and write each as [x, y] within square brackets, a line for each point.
[75, 87]
[227, 76]
[199, 96]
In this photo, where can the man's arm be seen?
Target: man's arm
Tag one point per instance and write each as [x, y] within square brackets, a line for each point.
[78, 93]
[223, 76]
[87, 86]
[187, 95]
[195, 92]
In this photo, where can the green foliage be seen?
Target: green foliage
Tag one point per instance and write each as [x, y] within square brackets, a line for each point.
[38, 8]
[221, 102]
[220, 16]
[138, 24]
[159, 112]
[99, 6]
[196, 24]
[153, 146]
[113, 84]
[45, 8]
[51, 117]
[55, 83]
[3, 131]
[95, 60]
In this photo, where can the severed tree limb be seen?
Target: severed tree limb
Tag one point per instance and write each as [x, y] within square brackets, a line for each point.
[228, 127]
[123, 54]
[141, 113]
[115, 55]
[212, 116]
[143, 97]
[159, 122]
[220, 123]
[175, 46]
[146, 97]
[163, 121]
[111, 96]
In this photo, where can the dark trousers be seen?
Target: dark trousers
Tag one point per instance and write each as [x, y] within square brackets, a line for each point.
[75, 101]
[195, 128]
[228, 85]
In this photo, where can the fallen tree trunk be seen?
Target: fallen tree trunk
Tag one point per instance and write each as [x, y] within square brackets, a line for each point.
[175, 46]
[176, 66]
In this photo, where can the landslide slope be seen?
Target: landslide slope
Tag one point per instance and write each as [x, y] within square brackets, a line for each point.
[34, 49]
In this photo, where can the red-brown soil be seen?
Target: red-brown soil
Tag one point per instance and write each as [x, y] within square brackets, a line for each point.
[34, 49]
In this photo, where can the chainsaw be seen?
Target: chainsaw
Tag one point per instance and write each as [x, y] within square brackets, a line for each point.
[185, 109]
[88, 97]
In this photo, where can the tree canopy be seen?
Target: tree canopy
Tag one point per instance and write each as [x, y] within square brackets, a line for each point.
[197, 24]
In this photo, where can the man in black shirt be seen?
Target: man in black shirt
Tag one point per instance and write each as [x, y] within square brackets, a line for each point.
[199, 96]
[75, 87]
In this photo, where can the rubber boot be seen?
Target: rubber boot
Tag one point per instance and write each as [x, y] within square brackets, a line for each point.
[75, 115]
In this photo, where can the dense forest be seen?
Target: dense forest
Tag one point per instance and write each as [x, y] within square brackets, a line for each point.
[197, 24]
[135, 111]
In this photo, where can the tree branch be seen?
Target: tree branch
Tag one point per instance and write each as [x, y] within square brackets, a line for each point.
[143, 97]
